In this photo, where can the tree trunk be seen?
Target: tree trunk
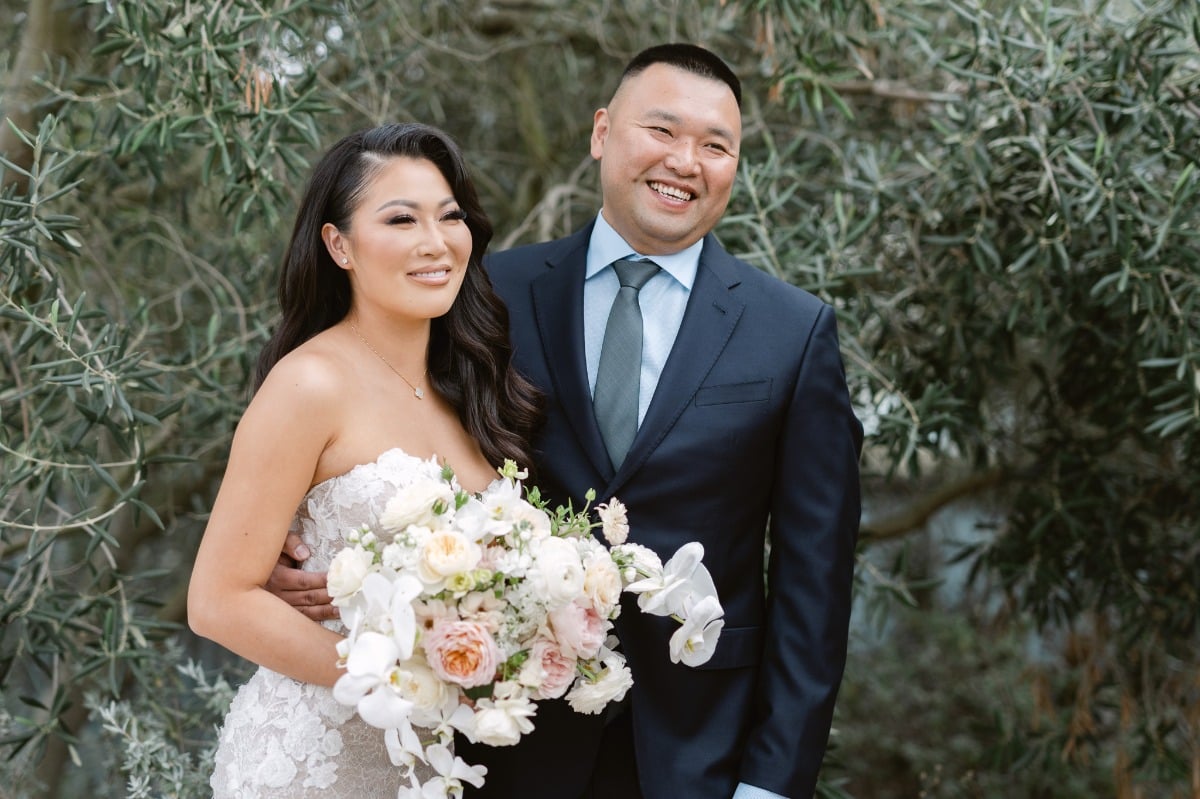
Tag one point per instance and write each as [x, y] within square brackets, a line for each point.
[50, 34]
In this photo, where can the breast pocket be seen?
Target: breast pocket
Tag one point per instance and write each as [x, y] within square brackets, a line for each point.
[757, 391]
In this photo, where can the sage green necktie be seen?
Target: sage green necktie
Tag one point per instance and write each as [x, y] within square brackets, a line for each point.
[619, 374]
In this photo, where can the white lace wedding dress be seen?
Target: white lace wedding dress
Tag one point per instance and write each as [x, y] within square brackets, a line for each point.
[293, 740]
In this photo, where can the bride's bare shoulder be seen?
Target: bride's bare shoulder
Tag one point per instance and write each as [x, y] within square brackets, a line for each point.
[316, 371]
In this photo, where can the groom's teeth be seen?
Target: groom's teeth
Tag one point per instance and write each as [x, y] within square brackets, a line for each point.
[671, 191]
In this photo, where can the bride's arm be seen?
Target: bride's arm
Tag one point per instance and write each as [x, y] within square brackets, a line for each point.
[275, 453]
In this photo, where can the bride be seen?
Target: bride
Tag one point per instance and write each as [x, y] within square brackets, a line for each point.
[391, 357]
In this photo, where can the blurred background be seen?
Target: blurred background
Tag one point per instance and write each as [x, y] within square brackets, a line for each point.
[1000, 197]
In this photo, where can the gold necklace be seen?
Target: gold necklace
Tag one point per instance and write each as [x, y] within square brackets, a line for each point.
[419, 393]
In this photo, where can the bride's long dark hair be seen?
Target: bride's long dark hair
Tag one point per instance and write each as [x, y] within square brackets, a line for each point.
[470, 357]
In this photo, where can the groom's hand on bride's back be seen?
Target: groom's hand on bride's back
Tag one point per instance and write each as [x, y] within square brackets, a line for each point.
[305, 591]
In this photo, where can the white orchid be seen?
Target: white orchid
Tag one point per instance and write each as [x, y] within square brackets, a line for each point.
[367, 684]
[696, 640]
[384, 605]
[665, 593]
[452, 772]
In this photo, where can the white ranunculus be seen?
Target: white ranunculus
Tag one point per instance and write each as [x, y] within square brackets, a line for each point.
[536, 521]
[636, 561]
[414, 504]
[611, 686]
[559, 571]
[347, 572]
[503, 720]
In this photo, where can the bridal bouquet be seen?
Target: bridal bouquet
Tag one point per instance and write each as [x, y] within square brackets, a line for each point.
[464, 609]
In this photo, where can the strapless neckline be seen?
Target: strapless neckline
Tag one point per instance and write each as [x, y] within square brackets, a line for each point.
[378, 461]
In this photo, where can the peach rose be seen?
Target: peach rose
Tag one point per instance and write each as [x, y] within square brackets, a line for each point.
[462, 652]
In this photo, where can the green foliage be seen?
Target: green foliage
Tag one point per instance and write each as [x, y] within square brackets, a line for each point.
[163, 735]
[1003, 209]
[943, 711]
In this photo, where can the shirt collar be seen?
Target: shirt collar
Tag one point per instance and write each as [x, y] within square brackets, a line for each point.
[606, 246]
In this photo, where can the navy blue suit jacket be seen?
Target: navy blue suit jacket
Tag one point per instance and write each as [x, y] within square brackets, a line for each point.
[750, 428]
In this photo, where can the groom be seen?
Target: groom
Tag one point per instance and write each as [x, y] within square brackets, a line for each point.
[737, 421]
[744, 423]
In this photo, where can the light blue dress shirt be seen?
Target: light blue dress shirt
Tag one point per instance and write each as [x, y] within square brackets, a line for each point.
[745, 791]
[663, 300]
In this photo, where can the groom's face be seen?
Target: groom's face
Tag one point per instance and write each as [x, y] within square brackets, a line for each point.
[668, 150]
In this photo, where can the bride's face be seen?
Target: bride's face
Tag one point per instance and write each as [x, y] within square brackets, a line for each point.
[408, 244]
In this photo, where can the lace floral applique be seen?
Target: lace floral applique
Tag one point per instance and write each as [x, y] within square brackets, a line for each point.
[283, 739]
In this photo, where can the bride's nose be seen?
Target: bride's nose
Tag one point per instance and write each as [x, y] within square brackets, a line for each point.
[433, 241]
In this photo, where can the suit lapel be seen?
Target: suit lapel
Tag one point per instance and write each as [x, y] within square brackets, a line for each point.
[711, 316]
[558, 309]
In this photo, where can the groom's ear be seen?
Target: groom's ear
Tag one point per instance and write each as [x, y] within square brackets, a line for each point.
[600, 126]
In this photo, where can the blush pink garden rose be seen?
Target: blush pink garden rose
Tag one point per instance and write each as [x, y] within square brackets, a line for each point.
[462, 652]
[549, 671]
[579, 629]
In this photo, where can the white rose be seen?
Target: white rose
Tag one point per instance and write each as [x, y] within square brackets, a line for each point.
[559, 570]
[347, 571]
[414, 504]
[446, 553]
[417, 682]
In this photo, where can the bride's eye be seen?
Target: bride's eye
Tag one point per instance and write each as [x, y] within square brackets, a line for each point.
[400, 219]
[456, 215]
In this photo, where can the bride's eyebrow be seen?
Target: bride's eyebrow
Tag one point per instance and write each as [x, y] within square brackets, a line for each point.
[415, 205]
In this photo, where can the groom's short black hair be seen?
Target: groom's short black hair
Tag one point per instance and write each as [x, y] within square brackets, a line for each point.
[689, 57]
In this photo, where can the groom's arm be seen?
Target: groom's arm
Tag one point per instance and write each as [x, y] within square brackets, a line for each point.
[305, 591]
[814, 527]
